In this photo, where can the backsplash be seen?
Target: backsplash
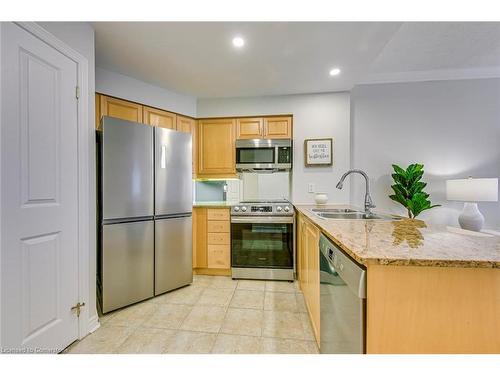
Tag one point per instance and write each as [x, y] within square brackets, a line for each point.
[213, 190]
[250, 186]
[209, 190]
[265, 186]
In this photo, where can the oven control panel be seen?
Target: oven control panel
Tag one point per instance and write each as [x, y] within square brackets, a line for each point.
[262, 209]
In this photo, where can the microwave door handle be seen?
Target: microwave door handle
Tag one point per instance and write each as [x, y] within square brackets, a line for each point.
[263, 170]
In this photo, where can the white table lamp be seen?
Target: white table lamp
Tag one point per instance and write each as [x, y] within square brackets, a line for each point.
[472, 190]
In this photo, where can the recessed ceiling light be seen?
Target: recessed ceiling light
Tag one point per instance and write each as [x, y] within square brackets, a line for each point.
[335, 72]
[238, 42]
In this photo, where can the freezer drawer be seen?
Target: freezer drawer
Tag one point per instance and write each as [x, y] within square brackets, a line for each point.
[173, 169]
[173, 254]
[127, 169]
[127, 263]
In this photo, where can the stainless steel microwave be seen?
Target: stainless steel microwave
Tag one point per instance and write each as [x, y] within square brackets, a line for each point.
[263, 154]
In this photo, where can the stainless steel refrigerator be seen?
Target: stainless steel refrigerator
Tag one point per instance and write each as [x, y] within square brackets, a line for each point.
[145, 207]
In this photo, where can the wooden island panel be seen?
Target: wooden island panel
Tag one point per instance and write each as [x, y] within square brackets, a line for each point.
[413, 309]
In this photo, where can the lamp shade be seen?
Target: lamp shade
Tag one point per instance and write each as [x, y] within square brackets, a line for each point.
[472, 190]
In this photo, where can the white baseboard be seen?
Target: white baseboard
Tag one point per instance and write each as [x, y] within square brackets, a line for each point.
[93, 323]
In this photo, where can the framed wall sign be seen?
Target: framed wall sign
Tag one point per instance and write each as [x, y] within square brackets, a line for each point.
[318, 152]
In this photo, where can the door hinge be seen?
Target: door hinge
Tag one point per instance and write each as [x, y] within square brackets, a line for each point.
[78, 308]
[77, 92]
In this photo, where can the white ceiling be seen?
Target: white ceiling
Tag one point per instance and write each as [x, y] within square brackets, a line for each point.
[198, 58]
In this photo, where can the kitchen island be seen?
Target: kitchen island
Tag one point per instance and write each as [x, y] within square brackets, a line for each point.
[430, 288]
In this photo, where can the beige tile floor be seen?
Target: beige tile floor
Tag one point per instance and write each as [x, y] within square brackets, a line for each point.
[213, 315]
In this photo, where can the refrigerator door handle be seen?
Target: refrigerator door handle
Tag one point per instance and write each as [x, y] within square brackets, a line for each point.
[163, 158]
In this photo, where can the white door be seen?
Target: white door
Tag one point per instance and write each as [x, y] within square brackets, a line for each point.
[39, 218]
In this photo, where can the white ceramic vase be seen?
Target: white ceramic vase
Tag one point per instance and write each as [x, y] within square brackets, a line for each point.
[321, 198]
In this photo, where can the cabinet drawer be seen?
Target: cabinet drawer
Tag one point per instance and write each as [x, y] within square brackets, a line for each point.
[218, 214]
[218, 239]
[218, 226]
[219, 256]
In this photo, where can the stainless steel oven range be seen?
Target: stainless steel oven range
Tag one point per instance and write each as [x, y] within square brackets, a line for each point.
[262, 240]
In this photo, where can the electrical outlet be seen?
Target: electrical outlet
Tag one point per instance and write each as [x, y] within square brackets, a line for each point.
[311, 188]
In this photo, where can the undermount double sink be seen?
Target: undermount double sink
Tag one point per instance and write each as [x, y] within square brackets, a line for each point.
[348, 214]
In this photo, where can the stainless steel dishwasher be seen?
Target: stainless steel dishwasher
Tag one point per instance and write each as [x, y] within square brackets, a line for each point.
[342, 301]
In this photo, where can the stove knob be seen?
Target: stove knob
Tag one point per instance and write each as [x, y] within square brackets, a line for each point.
[236, 209]
[279, 209]
[287, 209]
[243, 209]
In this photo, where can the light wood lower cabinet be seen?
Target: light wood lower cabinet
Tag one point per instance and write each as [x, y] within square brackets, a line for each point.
[312, 245]
[218, 238]
[219, 256]
[308, 267]
[217, 226]
[211, 241]
[199, 237]
[433, 310]
[218, 214]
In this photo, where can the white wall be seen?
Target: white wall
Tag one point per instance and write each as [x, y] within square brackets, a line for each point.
[125, 87]
[314, 116]
[452, 127]
[80, 37]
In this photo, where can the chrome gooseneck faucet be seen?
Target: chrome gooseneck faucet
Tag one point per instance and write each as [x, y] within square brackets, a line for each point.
[368, 199]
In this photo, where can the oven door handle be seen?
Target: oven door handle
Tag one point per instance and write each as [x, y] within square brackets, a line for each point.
[262, 219]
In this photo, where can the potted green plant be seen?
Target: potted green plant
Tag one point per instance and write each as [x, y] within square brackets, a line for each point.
[409, 190]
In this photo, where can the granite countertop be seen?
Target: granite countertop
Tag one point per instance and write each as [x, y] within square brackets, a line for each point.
[408, 242]
[213, 204]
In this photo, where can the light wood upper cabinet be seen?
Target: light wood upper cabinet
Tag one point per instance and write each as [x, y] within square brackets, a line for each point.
[97, 111]
[121, 109]
[278, 127]
[264, 127]
[185, 124]
[249, 128]
[157, 117]
[188, 125]
[216, 147]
